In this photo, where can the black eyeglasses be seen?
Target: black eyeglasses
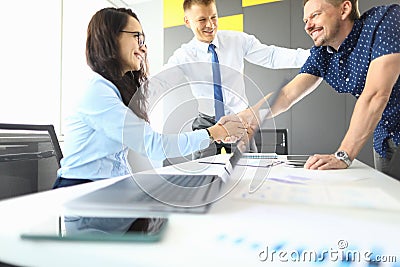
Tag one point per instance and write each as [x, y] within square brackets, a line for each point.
[139, 37]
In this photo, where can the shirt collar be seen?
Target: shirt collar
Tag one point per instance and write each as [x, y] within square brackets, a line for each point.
[330, 50]
[202, 46]
[350, 41]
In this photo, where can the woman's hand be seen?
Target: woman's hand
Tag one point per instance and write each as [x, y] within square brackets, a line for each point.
[249, 117]
[229, 132]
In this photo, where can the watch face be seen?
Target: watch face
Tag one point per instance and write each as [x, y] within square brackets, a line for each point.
[340, 154]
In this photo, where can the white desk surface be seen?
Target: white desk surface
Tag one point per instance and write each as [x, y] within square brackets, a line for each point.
[238, 228]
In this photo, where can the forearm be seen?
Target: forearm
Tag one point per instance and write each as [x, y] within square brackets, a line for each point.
[275, 57]
[293, 92]
[282, 103]
[382, 75]
[366, 115]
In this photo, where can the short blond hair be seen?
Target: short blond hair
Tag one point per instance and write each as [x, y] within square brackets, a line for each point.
[355, 12]
[187, 4]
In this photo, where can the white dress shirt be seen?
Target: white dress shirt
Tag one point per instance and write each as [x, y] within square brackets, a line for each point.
[193, 61]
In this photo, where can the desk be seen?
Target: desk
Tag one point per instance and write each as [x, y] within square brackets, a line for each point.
[235, 232]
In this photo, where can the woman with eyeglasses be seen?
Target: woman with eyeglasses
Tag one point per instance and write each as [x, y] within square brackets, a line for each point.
[111, 115]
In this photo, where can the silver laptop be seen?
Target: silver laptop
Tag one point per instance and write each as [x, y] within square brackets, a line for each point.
[158, 193]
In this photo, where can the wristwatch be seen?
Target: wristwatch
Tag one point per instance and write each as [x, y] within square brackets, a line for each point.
[343, 156]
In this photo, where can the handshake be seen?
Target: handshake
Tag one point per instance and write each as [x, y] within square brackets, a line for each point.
[240, 126]
[229, 129]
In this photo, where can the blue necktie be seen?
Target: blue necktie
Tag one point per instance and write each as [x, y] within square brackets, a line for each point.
[218, 98]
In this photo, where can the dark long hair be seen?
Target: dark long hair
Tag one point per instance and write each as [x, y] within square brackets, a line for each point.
[103, 57]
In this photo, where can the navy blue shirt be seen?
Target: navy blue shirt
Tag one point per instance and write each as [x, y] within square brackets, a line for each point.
[375, 34]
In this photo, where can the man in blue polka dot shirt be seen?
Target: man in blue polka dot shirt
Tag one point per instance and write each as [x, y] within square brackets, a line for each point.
[358, 55]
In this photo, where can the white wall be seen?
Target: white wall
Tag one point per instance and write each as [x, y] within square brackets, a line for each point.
[150, 14]
[30, 50]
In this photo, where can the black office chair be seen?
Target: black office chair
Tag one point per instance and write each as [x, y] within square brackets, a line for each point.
[2, 264]
[28, 154]
[272, 140]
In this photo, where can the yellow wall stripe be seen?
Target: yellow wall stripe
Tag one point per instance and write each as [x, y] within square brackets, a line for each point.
[173, 16]
[173, 13]
[257, 2]
[234, 23]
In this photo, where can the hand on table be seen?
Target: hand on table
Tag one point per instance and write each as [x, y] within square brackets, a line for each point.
[324, 162]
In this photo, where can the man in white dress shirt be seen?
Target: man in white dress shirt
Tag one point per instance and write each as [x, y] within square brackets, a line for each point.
[232, 48]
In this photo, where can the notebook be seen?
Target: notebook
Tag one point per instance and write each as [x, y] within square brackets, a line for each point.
[151, 192]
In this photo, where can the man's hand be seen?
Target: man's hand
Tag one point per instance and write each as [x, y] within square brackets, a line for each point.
[249, 117]
[324, 162]
[231, 131]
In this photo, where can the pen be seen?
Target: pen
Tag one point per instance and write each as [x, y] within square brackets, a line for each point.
[209, 162]
[246, 165]
[262, 166]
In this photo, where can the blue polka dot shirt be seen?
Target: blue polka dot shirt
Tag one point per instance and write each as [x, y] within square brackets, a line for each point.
[375, 34]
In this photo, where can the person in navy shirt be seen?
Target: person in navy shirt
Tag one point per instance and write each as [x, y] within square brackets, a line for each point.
[359, 55]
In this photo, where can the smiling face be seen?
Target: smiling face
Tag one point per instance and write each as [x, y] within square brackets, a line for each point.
[323, 22]
[203, 21]
[132, 55]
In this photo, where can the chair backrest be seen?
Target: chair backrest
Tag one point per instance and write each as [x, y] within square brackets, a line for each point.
[29, 158]
[272, 140]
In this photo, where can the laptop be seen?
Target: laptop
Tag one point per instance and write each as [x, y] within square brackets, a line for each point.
[152, 192]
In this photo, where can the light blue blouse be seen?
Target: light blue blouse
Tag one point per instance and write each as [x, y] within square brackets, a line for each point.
[101, 129]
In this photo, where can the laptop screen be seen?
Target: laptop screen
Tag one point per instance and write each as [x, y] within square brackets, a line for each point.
[235, 157]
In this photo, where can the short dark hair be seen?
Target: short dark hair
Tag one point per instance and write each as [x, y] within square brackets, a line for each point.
[355, 12]
[187, 4]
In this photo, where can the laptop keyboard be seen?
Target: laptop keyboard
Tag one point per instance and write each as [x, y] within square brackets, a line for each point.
[181, 189]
